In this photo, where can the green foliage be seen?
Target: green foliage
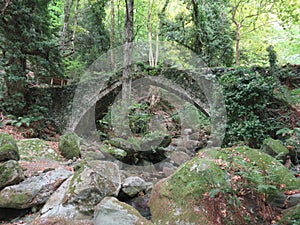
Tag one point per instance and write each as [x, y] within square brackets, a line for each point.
[272, 59]
[203, 28]
[27, 43]
[252, 108]
[139, 118]
[92, 38]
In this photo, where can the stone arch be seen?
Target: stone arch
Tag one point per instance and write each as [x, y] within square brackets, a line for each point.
[99, 81]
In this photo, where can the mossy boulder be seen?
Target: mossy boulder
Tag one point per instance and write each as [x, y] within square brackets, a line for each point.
[69, 145]
[93, 181]
[10, 173]
[274, 148]
[213, 182]
[8, 148]
[291, 216]
[33, 191]
[34, 149]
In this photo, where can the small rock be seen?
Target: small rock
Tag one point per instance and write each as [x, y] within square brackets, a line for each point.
[190, 145]
[168, 171]
[8, 148]
[187, 131]
[194, 136]
[11, 173]
[134, 185]
[179, 157]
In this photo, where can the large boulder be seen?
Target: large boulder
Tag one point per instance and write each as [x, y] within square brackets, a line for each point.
[55, 211]
[220, 186]
[34, 150]
[110, 211]
[8, 148]
[274, 148]
[91, 183]
[69, 145]
[33, 191]
[11, 173]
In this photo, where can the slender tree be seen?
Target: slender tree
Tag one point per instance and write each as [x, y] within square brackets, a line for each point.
[67, 13]
[126, 86]
[151, 57]
[112, 33]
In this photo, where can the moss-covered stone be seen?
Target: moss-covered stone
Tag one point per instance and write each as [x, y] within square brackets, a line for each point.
[116, 152]
[274, 148]
[10, 173]
[91, 183]
[291, 216]
[216, 172]
[69, 145]
[34, 149]
[8, 148]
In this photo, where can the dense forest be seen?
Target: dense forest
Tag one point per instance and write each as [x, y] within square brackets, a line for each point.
[91, 52]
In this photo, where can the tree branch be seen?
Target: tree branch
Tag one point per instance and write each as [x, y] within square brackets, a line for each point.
[7, 2]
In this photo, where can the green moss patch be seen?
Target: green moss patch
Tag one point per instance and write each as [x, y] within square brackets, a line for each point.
[34, 150]
[230, 178]
[69, 145]
[8, 148]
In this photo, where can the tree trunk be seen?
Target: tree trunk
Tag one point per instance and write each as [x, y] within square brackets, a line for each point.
[156, 50]
[124, 130]
[151, 58]
[196, 17]
[68, 6]
[126, 86]
[75, 26]
[237, 45]
[112, 34]
[119, 24]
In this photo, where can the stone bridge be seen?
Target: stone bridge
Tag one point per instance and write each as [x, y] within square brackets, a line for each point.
[92, 101]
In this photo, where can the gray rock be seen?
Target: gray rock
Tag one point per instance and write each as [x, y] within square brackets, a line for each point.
[194, 136]
[284, 201]
[177, 142]
[93, 155]
[8, 148]
[190, 144]
[94, 181]
[274, 148]
[55, 209]
[134, 185]
[69, 145]
[153, 142]
[168, 171]
[33, 191]
[179, 157]
[110, 211]
[187, 131]
[11, 173]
